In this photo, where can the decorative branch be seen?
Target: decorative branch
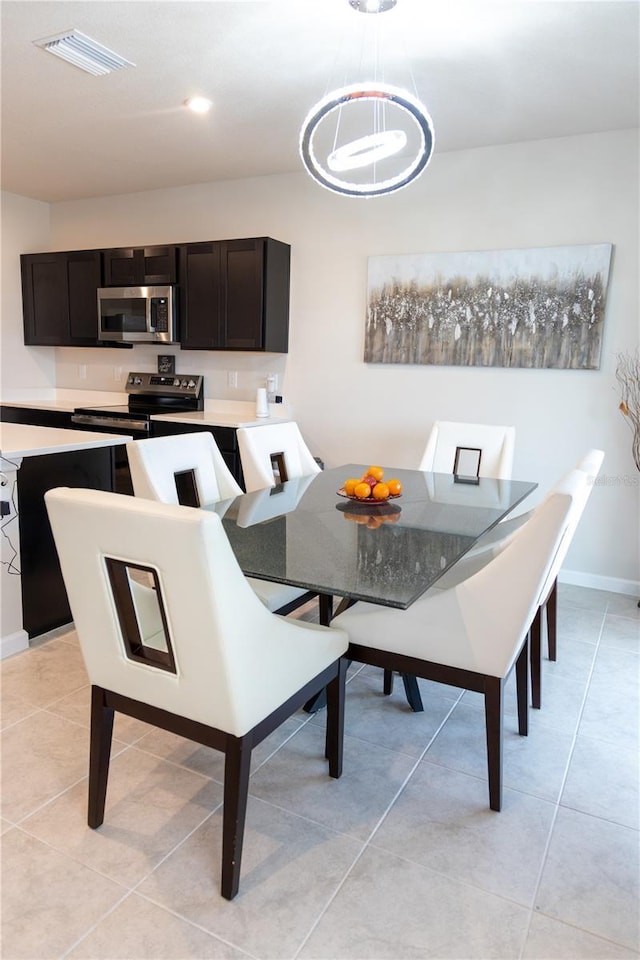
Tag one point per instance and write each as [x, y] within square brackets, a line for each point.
[628, 377]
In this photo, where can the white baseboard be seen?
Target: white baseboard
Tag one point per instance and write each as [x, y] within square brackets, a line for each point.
[598, 582]
[13, 643]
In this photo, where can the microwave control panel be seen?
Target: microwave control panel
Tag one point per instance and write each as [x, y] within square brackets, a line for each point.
[160, 314]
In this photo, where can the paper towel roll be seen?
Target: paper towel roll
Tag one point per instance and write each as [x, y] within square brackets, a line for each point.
[262, 407]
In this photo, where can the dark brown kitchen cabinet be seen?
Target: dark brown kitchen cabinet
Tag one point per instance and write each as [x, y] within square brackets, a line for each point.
[44, 599]
[200, 296]
[235, 295]
[36, 416]
[139, 266]
[59, 298]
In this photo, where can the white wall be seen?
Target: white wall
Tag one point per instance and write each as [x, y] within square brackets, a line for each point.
[544, 193]
[25, 229]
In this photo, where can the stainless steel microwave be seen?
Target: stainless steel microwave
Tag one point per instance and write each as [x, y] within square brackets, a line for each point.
[137, 314]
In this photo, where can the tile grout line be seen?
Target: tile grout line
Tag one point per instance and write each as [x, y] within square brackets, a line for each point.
[545, 852]
[367, 842]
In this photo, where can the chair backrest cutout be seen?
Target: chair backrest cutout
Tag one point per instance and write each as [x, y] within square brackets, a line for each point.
[466, 464]
[139, 622]
[187, 488]
[279, 467]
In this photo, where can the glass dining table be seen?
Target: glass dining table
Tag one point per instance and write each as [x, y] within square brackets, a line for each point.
[305, 533]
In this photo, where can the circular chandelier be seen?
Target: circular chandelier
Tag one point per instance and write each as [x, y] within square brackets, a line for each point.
[373, 149]
[367, 139]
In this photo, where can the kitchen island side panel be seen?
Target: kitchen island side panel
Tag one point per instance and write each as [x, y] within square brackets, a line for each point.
[44, 598]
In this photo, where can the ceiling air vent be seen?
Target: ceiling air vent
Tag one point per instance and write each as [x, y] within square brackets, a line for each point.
[83, 52]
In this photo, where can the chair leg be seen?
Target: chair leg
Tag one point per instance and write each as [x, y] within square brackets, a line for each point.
[522, 687]
[325, 604]
[552, 621]
[412, 692]
[411, 689]
[535, 636]
[99, 754]
[237, 766]
[493, 702]
[334, 743]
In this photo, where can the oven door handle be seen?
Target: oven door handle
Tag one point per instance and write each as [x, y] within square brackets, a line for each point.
[113, 422]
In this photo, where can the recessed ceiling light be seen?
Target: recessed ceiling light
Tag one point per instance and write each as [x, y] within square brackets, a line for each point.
[198, 104]
[83, 52]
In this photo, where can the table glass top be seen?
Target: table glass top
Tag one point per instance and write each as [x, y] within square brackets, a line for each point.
[303, 533]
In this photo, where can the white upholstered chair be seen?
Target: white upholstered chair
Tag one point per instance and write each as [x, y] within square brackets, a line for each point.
[466, 449]
[276, 446]
[174, 469]
[472, 635]
[448, 440]
[588, 467]
[189, 469]
[578, 483]
[198, 655]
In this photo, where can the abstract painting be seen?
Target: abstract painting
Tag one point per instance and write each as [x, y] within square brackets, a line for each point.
[537, 307]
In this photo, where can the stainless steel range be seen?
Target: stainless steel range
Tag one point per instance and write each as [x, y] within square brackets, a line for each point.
[148, 394]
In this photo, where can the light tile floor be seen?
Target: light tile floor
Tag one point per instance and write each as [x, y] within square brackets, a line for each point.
[401, 858]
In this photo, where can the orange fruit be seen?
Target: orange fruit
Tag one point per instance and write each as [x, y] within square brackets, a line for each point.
[380, 491]
[376, 472]
[395, 487]
[350, 485]
[362, 491]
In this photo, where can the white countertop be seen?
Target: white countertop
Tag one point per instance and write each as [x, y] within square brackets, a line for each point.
[63, 400]
[228, 413]
[22, 440]
[216, 413]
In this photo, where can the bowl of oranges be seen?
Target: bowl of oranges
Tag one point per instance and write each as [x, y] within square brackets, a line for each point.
[371, 487]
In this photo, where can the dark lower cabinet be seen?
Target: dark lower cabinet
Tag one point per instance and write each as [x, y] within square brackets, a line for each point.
[44, 597]
[36, 417]
[225, 437]
[59, 298]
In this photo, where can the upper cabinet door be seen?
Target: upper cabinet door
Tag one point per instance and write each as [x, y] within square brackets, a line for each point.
[59, 298]
[159, 265]
[139, 266]
[242, 305]
[44, 299]
[200, 296]
[255, 295]
[84, 276]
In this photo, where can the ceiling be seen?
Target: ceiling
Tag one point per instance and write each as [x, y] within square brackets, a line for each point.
[488, 72]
